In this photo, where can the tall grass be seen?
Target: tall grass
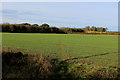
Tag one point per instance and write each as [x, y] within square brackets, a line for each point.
[24, 66]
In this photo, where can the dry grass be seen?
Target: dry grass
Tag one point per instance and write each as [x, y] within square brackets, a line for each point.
[17, 65]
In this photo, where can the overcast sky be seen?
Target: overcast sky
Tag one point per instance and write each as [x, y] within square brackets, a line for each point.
[63, 14]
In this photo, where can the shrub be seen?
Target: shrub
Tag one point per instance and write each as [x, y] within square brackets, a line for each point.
[18, 65]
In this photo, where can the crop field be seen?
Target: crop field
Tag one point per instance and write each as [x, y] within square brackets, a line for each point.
[97, 49]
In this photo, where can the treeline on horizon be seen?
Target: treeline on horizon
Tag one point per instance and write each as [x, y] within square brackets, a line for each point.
[45, 28]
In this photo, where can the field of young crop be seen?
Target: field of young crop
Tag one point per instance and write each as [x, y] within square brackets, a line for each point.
[97, 49]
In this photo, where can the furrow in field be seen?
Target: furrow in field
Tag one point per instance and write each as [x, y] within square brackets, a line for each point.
[64, 54]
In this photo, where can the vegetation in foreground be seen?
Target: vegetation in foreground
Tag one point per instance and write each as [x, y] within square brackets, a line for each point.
[17, 65]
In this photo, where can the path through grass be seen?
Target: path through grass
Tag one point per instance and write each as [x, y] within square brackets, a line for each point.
[98, 49]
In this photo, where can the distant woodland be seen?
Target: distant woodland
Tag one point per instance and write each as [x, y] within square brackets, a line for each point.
[46, 28]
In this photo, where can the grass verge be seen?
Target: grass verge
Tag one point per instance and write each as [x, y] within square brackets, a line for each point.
[23, 66]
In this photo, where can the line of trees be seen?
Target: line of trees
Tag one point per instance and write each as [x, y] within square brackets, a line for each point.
[93, 28]
[45, 28]
[28, 28]
[72, 30]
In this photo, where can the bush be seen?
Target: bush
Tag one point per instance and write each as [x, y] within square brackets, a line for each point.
[18, 65]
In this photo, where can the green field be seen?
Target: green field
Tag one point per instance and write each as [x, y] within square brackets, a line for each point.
[97, 49]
